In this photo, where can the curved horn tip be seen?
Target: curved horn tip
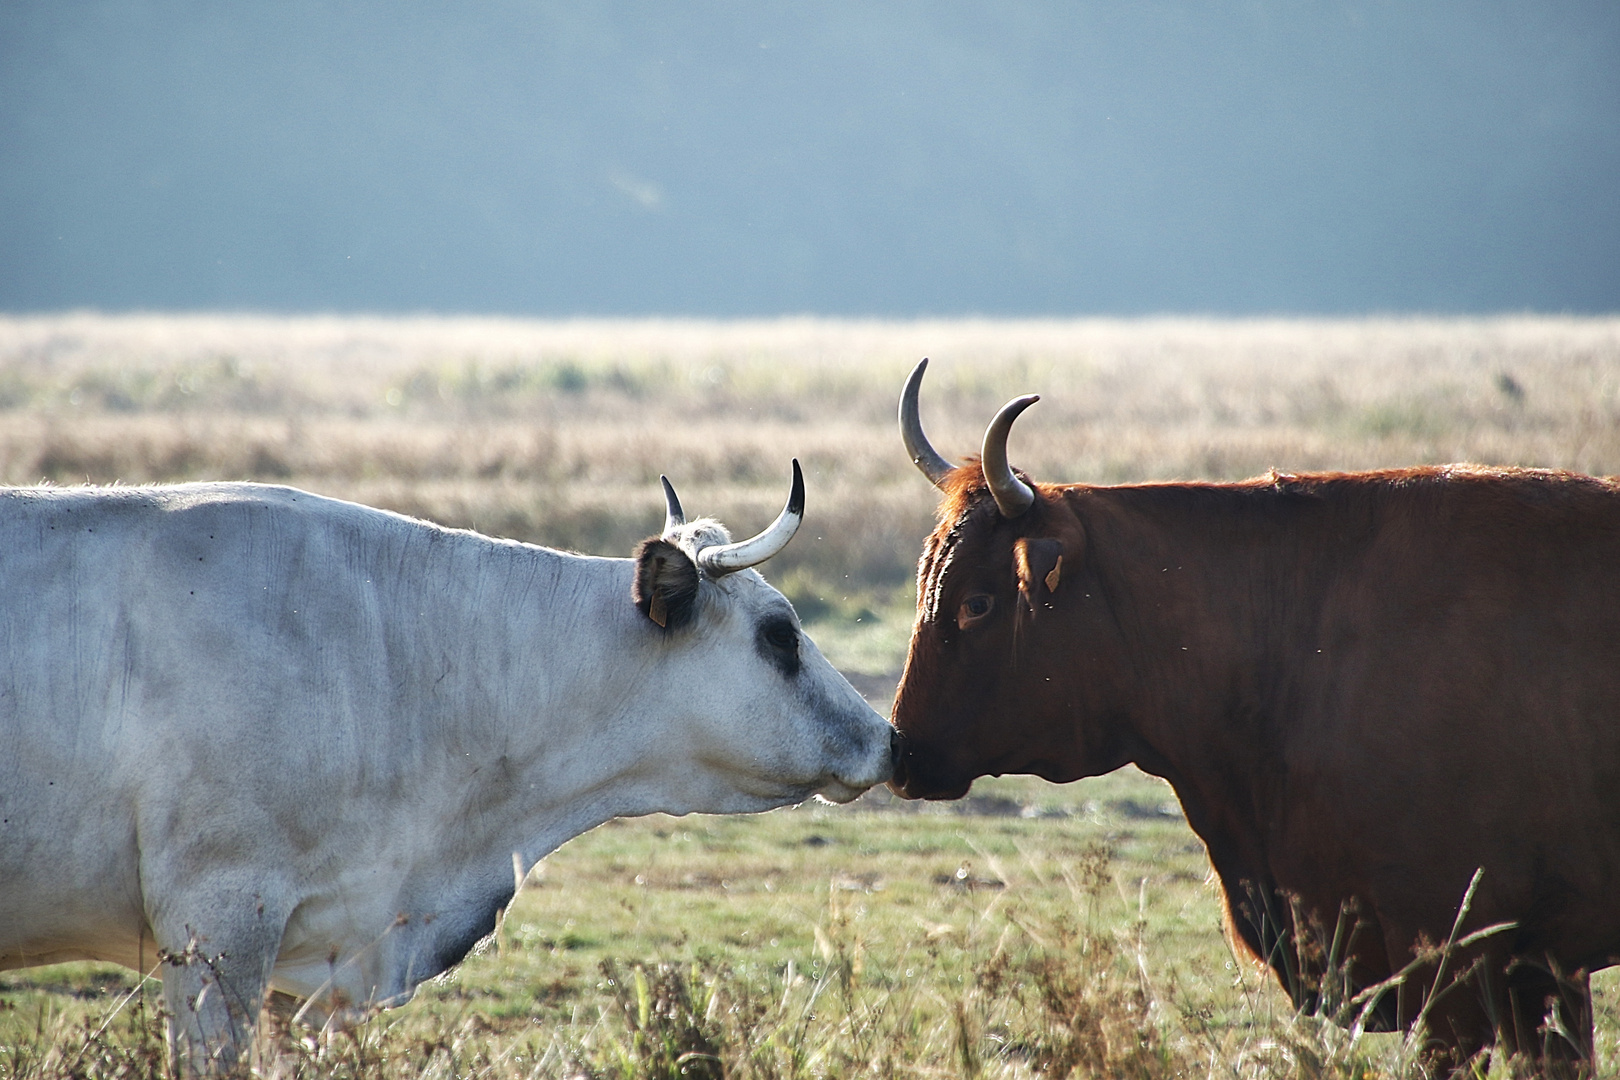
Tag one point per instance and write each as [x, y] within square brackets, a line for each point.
[674, 516]
[922, 453]
[795, 503]
[728, 558]
[1013, 496]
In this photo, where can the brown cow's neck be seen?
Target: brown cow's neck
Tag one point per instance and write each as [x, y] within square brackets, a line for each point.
[1216, 590]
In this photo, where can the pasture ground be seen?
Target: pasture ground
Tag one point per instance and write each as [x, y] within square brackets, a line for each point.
[1032, 929]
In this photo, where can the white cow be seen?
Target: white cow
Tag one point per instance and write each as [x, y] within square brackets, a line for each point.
[294, 743]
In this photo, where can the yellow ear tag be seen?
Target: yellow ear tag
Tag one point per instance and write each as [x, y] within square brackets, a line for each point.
[1055, 575]
[656, 611]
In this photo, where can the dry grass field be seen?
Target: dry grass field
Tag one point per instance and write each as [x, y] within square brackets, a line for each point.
[1034, 930]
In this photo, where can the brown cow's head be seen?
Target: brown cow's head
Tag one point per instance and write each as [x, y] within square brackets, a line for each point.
[1013, 645]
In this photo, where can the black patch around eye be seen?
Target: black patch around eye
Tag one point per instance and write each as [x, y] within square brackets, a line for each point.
[779, 643]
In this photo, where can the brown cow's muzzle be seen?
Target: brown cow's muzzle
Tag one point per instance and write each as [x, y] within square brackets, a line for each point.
[912, 778]
[897, 761]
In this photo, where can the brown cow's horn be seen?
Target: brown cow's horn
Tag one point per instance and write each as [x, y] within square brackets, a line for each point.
[728, 558]
[923, 455]
[1012, 495]
[674, 516]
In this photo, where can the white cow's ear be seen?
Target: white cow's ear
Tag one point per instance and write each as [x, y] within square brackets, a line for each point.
[666, 585]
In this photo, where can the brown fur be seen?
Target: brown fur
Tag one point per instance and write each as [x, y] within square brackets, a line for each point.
[666, 583]
[1362, 686]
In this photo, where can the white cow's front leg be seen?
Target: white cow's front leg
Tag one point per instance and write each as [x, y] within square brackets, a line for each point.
[215, 975]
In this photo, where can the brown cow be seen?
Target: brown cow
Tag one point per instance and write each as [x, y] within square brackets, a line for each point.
[1363, 687]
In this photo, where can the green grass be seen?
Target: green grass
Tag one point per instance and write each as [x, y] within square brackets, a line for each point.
[915, 905]
[1029, 929]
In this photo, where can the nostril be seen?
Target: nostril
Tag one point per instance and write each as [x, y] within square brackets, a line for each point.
[897, 750]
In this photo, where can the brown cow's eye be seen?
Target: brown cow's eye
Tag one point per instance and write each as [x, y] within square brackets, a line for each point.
[973, 609]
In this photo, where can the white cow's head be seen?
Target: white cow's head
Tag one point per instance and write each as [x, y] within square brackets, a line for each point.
[758, 714]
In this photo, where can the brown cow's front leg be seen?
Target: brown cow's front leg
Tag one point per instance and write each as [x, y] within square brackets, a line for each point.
[1549, 1018]
[1449, 1004]
[1456, 1029]
[1539, 1015]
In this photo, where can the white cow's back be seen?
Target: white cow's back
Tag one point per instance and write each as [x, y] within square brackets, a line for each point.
[248, 667]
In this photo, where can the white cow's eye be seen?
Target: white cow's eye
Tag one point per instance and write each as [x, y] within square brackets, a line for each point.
[781, 635]
[779, 643]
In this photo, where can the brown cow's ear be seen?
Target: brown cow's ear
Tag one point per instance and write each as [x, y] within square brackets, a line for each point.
[1039, 564]
[666, 585]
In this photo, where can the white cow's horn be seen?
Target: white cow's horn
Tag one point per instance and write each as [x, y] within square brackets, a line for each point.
[674, 516]
[728, 558]
[1012, 495]
[923, 455]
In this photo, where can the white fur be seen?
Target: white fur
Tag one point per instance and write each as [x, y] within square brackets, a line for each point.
[309, 739]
